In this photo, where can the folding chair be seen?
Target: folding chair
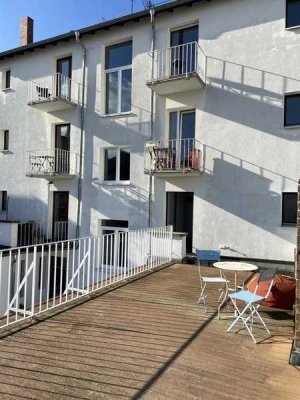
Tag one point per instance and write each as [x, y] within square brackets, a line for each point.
[252, 302]
[211, 256]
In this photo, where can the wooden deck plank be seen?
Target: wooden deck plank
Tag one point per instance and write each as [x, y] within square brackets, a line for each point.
[148, 340]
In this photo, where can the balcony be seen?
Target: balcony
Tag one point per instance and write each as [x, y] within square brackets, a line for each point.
[177, 69]
[174, 158]
[55, 92]
[53, 163]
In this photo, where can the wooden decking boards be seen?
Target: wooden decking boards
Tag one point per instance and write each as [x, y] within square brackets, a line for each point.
[148, 340]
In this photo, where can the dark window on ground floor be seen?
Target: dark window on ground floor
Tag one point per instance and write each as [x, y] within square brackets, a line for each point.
[289, 208]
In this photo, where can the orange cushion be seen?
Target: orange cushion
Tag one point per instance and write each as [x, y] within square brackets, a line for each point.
[283, 292]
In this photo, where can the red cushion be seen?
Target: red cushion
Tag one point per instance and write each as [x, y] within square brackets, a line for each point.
[283, 292]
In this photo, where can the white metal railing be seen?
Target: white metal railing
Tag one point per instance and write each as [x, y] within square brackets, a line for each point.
[35, 279]
[53, 87]
[176, 61]
[182, 155]
[52, 162]
[32, 232]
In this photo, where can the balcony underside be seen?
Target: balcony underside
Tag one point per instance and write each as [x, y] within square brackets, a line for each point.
[50, 176]
[53, 104]
[176, 84]
[173, 173]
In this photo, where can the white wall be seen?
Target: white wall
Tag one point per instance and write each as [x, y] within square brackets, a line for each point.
[250, 158]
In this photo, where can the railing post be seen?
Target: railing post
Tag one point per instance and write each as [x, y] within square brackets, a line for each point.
[33, 281]
[89, 267]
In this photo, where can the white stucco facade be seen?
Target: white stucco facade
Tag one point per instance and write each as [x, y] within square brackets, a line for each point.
[250, 158]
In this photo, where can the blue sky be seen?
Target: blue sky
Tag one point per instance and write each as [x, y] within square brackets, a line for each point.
[53, 17]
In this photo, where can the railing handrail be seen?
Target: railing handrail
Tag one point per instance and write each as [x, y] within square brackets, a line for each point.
[51, 149]
[172, 47]
[53, 74]
[165, 141]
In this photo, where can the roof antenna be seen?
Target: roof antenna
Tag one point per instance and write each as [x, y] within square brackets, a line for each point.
[148, 4]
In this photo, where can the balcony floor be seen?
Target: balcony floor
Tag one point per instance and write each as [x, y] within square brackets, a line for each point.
[147, 340]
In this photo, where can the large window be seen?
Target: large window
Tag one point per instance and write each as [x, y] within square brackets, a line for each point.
[292, 13]
[118, 71]
[292, 110]
[289, 208]
[117, 164]
[3, 200]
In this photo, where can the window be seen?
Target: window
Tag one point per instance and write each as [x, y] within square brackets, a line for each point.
[292, 110]
[113, 225]
[117, 165]
[289, 208]
[292, 13]
[118, 72]
[4, 140]
[3, 200]
[7, 80]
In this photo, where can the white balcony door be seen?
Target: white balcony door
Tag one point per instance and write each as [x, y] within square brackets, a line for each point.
[182, 135]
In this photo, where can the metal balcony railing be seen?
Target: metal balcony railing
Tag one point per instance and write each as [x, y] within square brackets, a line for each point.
[32, 232]
[52, 88]
[178, 155]
[52, 162]
[36, 279]
[178, 61]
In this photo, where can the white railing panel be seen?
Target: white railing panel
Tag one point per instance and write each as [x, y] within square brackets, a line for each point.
[52, 88]
[39, 278]
[178, 61]
[52, 162]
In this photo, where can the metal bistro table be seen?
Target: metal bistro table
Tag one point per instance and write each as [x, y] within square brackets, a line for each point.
[234, 267]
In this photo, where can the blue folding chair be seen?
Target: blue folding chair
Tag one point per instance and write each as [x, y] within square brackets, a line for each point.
[211, 256]
[252, 302]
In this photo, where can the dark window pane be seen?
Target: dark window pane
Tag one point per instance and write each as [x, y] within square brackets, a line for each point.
[289, 208]
[3, 200]
[173, 125]
[6, 140]
[118, 55]
[115, 223]
[112, 93]
[292, 13]
[188, 125]
[292, 110]
[185, 35]
[7, 80]
[126, 90]
[124, 165]
[110, 164]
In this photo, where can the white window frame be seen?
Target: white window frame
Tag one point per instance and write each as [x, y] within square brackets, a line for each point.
[120, 72]
[118, 161]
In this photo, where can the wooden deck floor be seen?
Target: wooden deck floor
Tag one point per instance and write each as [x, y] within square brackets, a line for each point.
[147, 340]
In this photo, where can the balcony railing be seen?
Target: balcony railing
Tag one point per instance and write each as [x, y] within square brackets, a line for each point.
[53, 92]
[186, 61]
[53, 162]
[36, 279]
[30, 233]
[178, 156]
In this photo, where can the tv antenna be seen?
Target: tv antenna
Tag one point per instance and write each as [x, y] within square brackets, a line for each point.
[148, 4]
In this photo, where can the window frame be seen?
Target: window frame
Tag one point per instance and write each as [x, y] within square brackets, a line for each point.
[3, 200]
[286, 18]
[286, 96]
[7, 79]
[119, 70]
[117, 181]
[283, 223]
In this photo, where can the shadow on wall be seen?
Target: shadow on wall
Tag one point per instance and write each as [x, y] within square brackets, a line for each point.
[249, 96]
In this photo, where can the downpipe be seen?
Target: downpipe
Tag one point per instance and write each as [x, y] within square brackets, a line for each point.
[152, 19]
[82, 121]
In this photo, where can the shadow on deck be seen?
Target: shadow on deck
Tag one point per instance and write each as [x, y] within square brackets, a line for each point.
[147, 340]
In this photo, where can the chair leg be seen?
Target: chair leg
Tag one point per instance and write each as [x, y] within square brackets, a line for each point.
[202, 295]
[225, 293]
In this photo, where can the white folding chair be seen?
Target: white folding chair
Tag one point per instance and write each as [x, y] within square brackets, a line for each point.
[252, 302]
[211, 256]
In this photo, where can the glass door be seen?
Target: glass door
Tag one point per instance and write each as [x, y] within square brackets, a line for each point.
[182, 137]
[62, 148]
[60, 216]
[64, 75]
[184, 50]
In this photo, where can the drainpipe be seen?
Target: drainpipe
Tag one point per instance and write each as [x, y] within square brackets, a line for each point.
[152, 15]
[79, 196]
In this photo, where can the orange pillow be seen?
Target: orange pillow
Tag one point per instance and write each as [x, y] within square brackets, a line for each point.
[283, 292]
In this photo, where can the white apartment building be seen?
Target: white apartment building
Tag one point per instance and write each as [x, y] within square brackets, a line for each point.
[187, 114]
